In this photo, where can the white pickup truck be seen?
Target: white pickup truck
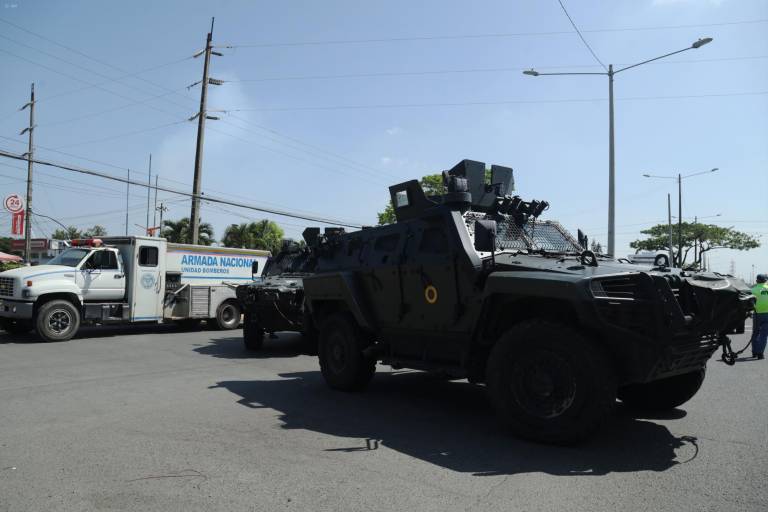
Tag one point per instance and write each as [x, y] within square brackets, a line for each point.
[126, 280]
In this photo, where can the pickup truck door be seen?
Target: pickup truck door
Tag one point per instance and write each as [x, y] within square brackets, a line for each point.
[101, 277]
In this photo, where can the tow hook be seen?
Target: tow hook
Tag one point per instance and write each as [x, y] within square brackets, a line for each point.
[729, 357]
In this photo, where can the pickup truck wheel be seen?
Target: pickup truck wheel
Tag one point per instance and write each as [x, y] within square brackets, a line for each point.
[253, 334]
[664, 394]
[16, 326]
[549, 383]
[57, 320]
[228, 316]
[342, 362]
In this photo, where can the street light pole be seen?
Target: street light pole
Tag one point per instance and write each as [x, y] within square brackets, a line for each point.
[611, 154]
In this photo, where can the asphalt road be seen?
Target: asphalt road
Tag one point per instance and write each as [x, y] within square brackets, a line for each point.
[157, 419]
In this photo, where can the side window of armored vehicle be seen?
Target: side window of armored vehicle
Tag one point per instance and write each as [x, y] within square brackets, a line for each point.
[148, 256]
[384, 248]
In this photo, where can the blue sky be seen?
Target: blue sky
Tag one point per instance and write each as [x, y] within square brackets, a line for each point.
[702, 109]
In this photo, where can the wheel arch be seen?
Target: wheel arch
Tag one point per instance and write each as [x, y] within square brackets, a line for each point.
[48, 297]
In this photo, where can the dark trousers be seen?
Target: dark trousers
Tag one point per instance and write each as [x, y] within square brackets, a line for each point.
[759, 333]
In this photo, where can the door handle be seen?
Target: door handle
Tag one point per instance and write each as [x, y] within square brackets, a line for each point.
[118, 276]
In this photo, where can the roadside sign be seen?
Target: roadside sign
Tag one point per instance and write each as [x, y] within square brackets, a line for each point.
[14, 203]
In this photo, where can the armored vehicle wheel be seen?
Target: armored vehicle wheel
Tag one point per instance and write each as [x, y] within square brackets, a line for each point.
[16, 326]
[253, 334]
[549, 383]
[228, 316]
[342, 362]
[663, 394]
[57, 320]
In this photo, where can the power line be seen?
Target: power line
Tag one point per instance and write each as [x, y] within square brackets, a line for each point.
[91, 172]
[125, 134]
[490, 103]
[573, 24]
[515, 69]
[487, 35]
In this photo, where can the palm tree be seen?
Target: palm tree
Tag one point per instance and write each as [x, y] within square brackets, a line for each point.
[179, 232]
[263, 234]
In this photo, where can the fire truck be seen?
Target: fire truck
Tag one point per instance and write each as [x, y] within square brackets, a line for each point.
[130, 279]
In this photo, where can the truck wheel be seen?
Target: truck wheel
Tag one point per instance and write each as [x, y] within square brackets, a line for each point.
[549, 383]
[253, 334]
[57, 320]
[16, 326]
[664, 394]
[228, 316]
[342, 362]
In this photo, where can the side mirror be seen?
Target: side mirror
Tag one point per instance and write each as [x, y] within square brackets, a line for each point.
[485, 235]
[254, 268]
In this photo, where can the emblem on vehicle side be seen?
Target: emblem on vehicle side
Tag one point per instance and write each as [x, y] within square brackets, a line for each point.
[148, 280]
[430, 294]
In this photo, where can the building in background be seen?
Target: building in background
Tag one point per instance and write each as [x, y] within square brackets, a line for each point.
[42, 249]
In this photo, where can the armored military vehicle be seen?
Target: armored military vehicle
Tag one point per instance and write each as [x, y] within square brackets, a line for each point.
[475, 285]
[276, 303]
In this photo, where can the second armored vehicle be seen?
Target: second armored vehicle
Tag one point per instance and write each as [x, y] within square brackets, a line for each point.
[473, 285]
[276, 303]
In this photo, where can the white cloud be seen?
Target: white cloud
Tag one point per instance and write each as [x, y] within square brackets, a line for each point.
[393, 131]
[385, 160]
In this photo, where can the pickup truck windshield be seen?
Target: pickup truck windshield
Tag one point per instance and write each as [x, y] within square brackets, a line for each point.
[70, 258]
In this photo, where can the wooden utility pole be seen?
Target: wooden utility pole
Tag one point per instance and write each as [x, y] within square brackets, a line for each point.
[28, 213]
[154, 211]
[127, 197]
[202, 115]
[162, 208]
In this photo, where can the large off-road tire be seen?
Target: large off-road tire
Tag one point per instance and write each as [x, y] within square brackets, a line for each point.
[253, 334]
[57, 320]
[342, 362]
[549, 383]
[664, 394]
[228, 316]
[16, 326]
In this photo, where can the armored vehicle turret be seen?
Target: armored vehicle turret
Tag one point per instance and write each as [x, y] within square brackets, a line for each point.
[475, 284]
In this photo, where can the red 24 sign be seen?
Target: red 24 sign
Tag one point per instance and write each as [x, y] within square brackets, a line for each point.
[14, 203]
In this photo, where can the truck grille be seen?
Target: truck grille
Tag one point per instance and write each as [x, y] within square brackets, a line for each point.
[6, 286]
[200, 301]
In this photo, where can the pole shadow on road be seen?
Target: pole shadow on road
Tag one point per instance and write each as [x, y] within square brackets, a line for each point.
[450, 424]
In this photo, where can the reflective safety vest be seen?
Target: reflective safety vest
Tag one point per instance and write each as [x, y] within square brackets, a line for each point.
[761, 292]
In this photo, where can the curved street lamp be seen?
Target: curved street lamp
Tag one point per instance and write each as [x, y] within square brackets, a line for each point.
[611, 160]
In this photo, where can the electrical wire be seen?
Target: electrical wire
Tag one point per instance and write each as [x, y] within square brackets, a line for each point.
[91, 172]
[486, 35]
[583, 40]
[492, 103]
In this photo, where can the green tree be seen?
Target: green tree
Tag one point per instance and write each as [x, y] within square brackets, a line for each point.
[706, 237]
[70, 233]
[179, 232]
[97, 230]
[432, 184]
[264, 234]
[5, 244]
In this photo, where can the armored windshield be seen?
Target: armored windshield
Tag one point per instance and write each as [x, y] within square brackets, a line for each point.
[534, 235]
[289, 263]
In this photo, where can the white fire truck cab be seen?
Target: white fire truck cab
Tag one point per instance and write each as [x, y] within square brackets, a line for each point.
[126, 280]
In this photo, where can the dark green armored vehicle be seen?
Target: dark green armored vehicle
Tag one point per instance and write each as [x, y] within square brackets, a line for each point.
[473, 284]
[276, 303]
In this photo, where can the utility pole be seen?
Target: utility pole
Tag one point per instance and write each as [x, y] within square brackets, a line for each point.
[149, 190]
[695, 240]
[127, 194]
[202, 115]
[611, 170]
[30, 157]
[154, 211]
[680, 219]
[669, 224]
[162, 208]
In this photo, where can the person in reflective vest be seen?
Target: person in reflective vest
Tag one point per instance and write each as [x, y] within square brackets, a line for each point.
[760, 325]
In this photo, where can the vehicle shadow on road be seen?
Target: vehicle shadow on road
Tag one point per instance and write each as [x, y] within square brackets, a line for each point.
[450, 424]
[99, 331]
[285, 345]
